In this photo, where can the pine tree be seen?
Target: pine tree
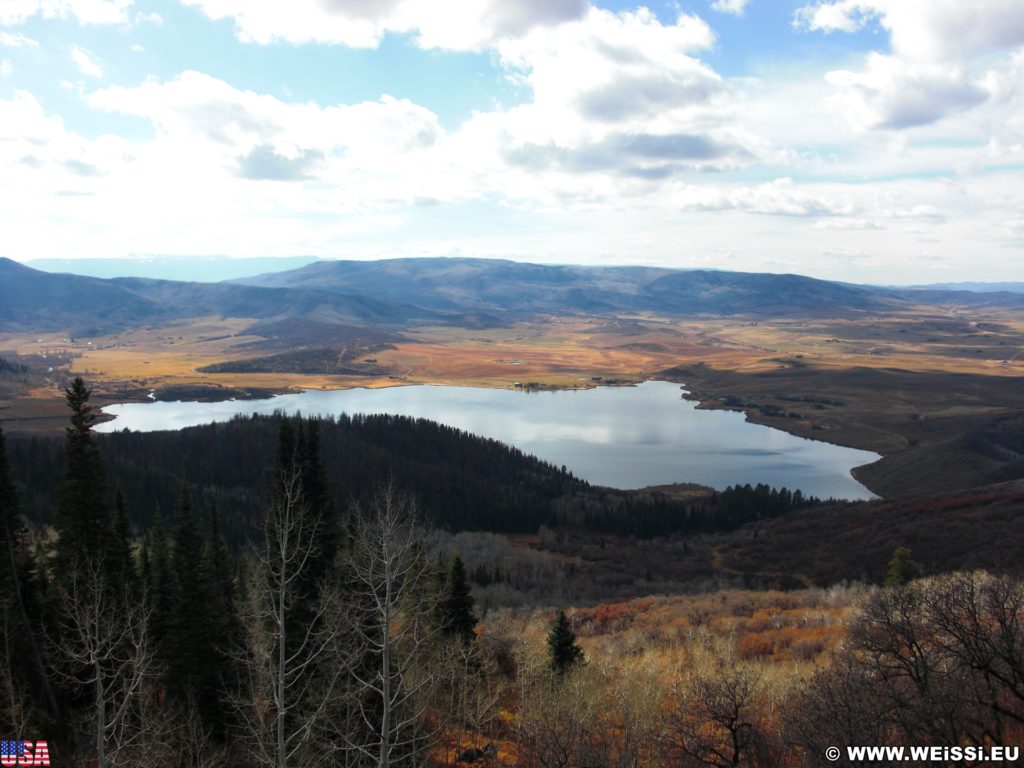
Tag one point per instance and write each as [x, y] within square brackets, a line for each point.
[902, 570]
[82, 519]
[122, 561]
[456, 606]
[190, 653]
[225, 626]
[318, 507]
[563, 651]
[159, 585]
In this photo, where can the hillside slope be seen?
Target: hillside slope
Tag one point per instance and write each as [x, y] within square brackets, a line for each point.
[41, 301]
[506, 286]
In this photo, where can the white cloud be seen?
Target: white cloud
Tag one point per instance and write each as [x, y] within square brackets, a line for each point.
[616, 93]
[16, 40]
[734, 7]
[893, 93]
[86, 64]
[85, 11]
[926, 30]
[6, 68]
[473, 25]
[926, 76]
[627, 147]
[152, 17]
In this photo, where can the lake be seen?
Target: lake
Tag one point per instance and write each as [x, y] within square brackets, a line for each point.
[624, 437]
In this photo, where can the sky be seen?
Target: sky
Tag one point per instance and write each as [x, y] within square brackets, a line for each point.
[875, 141]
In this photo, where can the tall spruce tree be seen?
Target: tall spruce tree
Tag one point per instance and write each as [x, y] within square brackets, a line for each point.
[191, 654]
[225, 627]
[457, 618]
[564, 652]
[159, 585]
[122, 561]
[82, 519]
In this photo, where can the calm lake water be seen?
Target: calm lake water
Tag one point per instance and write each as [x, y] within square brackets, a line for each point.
[624, 437]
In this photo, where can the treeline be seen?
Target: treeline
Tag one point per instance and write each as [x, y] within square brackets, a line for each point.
[9, 366]
[651, 515]
[460, 481]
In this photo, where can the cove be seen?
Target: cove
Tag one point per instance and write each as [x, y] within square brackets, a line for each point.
[623, 437]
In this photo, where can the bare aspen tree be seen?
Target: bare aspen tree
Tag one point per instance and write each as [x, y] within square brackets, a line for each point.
[390, 607]
[196, 747]
[559, 720]
[101, 645]
[288, 687]
[715, 720]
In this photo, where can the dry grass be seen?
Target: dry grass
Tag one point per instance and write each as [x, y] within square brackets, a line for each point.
[575, 351]
[644, 656]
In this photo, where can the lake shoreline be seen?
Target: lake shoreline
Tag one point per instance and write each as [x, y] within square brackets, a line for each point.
[626, 437]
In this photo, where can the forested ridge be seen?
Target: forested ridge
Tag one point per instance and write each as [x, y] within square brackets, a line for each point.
[462, 482]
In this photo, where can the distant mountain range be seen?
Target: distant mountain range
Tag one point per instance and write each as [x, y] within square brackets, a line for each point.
[200, 269]
[396, 293]
[491, 285]
[89, 306]
[975, 287]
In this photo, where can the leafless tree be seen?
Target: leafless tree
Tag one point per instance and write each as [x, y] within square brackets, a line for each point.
[839, 704]
[390, 602]
[935, 661]
[978, 623]
[714, 720]
[101, 646]
[288, 688]
[469, 694]
[196, 746]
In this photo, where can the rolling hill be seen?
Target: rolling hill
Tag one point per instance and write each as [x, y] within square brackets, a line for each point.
[493, 285]
[329, 298]
[32, 300]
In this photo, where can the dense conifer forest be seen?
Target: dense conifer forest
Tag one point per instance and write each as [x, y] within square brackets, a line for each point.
[460, 481]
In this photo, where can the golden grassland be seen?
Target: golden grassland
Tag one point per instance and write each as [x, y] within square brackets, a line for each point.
[567, 351]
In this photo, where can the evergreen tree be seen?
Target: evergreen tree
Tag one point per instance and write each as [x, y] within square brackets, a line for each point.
[225, 626]
[19, 601]
[159, 585]
[318, 506]
[122, 561]
[457, 619]
[902, 570]
[82, 519]
[12, 532]
[190, 653]
[563, 651]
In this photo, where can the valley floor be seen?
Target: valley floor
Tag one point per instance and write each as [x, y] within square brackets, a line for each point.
[917, 387]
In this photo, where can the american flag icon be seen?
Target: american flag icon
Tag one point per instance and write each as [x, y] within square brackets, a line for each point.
[11, 748]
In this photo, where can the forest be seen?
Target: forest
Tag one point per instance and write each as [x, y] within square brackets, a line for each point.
[460, 481]
[314, 624]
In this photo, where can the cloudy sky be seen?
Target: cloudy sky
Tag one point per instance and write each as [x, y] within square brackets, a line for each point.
[866, 140]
